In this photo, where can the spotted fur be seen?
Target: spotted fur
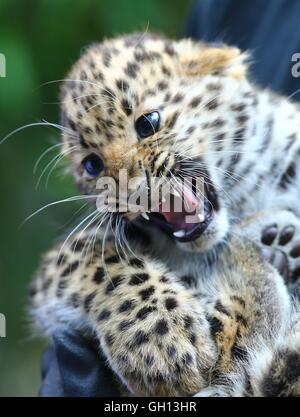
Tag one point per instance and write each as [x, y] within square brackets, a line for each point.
[211, 316]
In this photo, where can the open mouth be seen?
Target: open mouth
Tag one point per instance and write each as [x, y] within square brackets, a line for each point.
[187, 215]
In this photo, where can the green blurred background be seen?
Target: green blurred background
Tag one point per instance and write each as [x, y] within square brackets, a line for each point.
[40, 40]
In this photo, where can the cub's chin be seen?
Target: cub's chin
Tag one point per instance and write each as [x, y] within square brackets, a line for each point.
[214, 234]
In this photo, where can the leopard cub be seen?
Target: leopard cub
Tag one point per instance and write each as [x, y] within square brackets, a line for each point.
[207, 307]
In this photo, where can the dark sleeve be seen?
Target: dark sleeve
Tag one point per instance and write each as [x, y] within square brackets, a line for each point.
[269, 29]
[73, 367]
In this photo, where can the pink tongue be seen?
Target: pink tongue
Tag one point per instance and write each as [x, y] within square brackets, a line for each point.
[176, 213]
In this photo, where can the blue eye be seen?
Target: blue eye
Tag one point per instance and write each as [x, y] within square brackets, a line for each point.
[147, 124]
[93, 164]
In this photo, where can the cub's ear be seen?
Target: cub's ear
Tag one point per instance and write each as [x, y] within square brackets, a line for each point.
[198, 60]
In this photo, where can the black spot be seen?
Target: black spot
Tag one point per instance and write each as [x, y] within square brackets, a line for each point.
[286, 178]
[70, 268]
[158, 378]
[139, 339]
[188, 322]
[216, 326]
[83, 142]
[77, 246]
[122, 358]
[239, 352]
[72, 124]
[127, 305]
[87, 129]
[242, 119]
[220, 137]
[163, 279]
[170, 303]
[167, 97]
[177, 98]
[195, 102]
[239, 300]
[105, 314]
[191, 130]
[177, 368]
[149, 360]
[112, 260]
[169, 49]
[108, 123]
[127, 107]
[108, 93]
[193, 338]
[136, 262]
[241, 319]
[99, 76]
[217, 123]
[62, 284]
[171, 351]
[61, 260]
[212, 104]
[99, 275]
[173, 120]
[88, 301]
[125, 325]
[169, 292]
[219, 307]
[187, 359]
[162, 327]
[140, 56]
[138, 279]
[144, 312]
[114, 283]
[213, 86]
[109, 339]
[166, 71]
[32, 290]
[290, 141]
[75, 300]
[238, 107]
[161, 169]
[131, 69]
[162, 85]
[189, 280]
[147, 292]
[280, 379]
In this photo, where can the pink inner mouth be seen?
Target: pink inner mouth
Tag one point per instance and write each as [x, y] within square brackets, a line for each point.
[177, 209]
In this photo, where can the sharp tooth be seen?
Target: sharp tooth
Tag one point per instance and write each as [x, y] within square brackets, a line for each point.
[163, 199]
[179, 233]
[201, 218]
[145, 216]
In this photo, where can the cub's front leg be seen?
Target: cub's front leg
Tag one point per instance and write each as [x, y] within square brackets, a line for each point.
[152, 330]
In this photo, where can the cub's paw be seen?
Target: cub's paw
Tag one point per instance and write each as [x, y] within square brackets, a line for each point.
[281, 247]
[278, 235]
[162, 348]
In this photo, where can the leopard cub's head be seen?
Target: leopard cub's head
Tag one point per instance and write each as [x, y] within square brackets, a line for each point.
[162, 117]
